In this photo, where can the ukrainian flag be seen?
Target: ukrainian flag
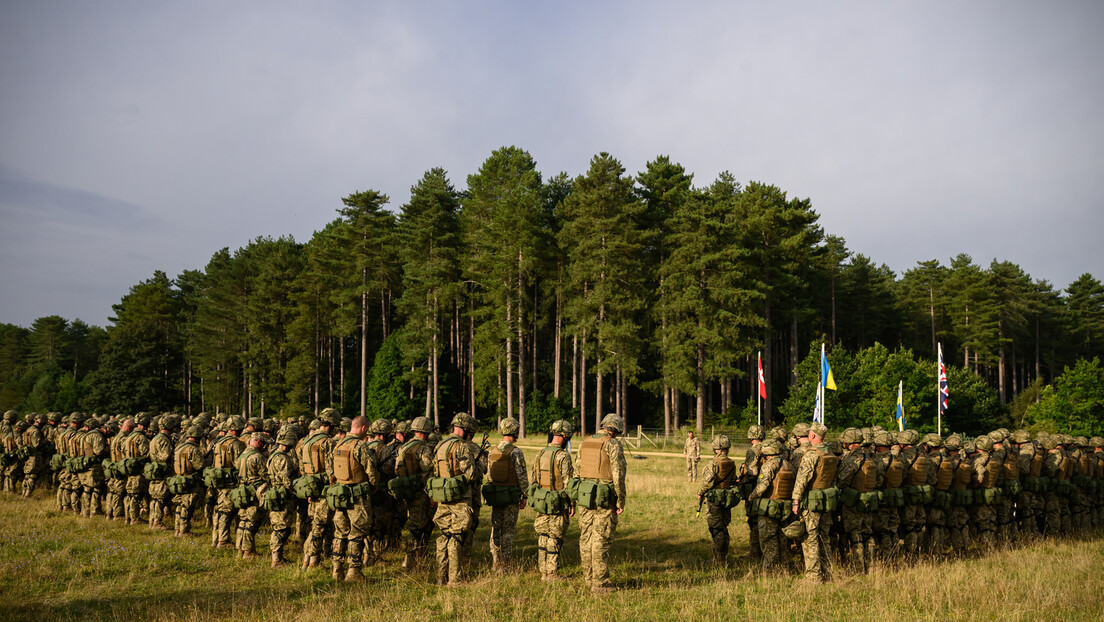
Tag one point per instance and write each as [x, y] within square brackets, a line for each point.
[826, 379]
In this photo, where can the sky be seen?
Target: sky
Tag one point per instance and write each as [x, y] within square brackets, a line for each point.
[144, 136]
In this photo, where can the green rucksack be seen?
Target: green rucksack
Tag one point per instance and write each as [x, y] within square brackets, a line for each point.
[275, 499]
[500, 496]
[309, 486]
[244, 496]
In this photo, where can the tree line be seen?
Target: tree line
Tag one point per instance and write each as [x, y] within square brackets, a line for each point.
[648, 296]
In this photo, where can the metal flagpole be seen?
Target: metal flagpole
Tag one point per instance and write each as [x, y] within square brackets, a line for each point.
[939, 392]
[759, 385]
[823, 395]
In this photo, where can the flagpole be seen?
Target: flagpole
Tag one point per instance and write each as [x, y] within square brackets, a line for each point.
[759, 386]
[939, 393]
[823, 395]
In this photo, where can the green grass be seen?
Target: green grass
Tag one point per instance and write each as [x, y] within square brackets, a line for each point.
[60, 567]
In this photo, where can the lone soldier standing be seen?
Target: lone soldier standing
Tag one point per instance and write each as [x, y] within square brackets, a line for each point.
[455, 458]
[814, 502]
[550, 471]
[692, 452]
[601, 462]
[505, 470]
[718, 476]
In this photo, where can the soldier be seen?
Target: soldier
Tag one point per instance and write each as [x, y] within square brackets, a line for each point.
[253, 475]
[692, 452]
[137, 455]
[507, 484]
[814, 498]
[34, 447]
[353, 473]
[93, 448]
[770, 500]
[455, 467]
[749, 474]
[9, 447]
[940, 479]
[66, 476]
[283, 469]
[159, 467]
[382, 501]
[400, 435]
[601, 465]
[188, 463]
[797, 443]
[314, 456]
[987, 471]
[414, 465]
[891, 471]
[917, 491]
[114, 507]
[717, 481]
[857, 480]
[220, 477]
[550, 473]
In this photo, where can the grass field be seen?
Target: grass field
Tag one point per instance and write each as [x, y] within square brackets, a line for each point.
[60, 567]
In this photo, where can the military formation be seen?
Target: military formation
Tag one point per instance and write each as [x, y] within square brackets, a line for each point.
[875, 494]
[348, 489]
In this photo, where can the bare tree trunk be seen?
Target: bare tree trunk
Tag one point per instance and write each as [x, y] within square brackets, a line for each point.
[509, 361]
[599, 404]
[436, 356]
[666, 411]
[676, 403]
[793, 351]
[699, 421]
[768, 360]
[471, 365]
[557, 355]
[364, 350]
[582, 393]
[574, 371]
[617, 392]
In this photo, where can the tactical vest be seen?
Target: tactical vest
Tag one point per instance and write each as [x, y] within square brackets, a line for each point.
[1060, 470]
[500, 467]
[28, 437]
[313, 462]
[347, 469]
[781, 488]
[407, 463]
[60, 441]
[1083, 464]
[118, 453]
[181, 463]
[894, 474]
[918, 471]
[1067, 467]
[826, 468]
[547, 475]
[992, 473]
[866, 478]
[242, 459]
[725, 467]
[1037, 464]
[446, 457]
[132, 445]
[593, 460]
[1011, 467]
[964, 473]
[87, 442]
[1099, 474]
[224, 458]
[945, 476]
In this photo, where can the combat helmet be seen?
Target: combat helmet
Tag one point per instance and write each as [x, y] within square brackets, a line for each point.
[402, 427]
[801, 430]
[851, 436]
[755, 433]
[983, 442]
[720, 441]
[771, 447]
[509, 427]
[465, 422]
[908, 437]
[614, 423]
[380, 426]
[562, 427]
[422, 424]
[286, 436]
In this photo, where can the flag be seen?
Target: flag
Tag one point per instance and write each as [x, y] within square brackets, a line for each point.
[944, 393]
[818, 409]
[826, 379]
[762, 381]
[900, 406]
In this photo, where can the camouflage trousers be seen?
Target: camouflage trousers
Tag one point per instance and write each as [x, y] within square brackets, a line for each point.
[753, 531]
[692, 469]
[596, 530]
[33, 470]
[12, 474]
[321, 517]
[454, 520]
[281, 521]
[958, 528]
[886, 523]
[1052, 514]
[503, 527]
[1065, 510]
[418, 526]
[1027, 510]
[467, 541]
[250, 519]
[351, 528]
[1079, 511]
[984, 519]
[935, 538]
[911, 527]
[551, 529]
[92, 490]
[858, 528]
[67, 483]
[159, 505]
[382, 511]
[185, 506]
[135, 489]
[717, 519]
[814, 545]
[770, 542]
[113, 503]
[223, 519]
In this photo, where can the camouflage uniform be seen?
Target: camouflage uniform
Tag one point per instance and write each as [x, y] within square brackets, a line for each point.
[551, 470]
[455, 457]
[352, 464]
[65, 478]
[116, 480]
[160, 450]
[415, 458]
[505, 467]
[314, 456]
[92, 446]
[9, 445]
[605, 464]
[1080, 501]
[858, 476]
[383, 504]
[983, 514]
[940, 478]
[718, 474]
[34, 464]
[282, 470]
[749, 473]
[1029, 505]
[252, 471]
[188, 461]
[958, 519]
[692, 452]
[913, 514]
[887, 520]
[137, 448]
[1053, 469]
[816, 472]
[774, 486]
[224, 454]
[1005, 532]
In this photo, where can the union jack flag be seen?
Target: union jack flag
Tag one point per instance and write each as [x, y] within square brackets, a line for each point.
[944, 393]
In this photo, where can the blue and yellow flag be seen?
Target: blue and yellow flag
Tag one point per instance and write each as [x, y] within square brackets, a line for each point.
[826, 379]
[900, 406]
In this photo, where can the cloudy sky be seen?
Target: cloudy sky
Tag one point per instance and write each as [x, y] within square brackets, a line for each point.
[143, 136]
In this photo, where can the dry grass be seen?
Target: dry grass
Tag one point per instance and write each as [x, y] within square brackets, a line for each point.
[59, 567]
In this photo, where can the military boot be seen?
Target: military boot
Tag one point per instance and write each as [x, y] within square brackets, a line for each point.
[408, 562]
[277, 560]
[353, 575]
[338, 570]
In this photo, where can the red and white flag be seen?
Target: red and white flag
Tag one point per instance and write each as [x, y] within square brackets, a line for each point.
[762, 381]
